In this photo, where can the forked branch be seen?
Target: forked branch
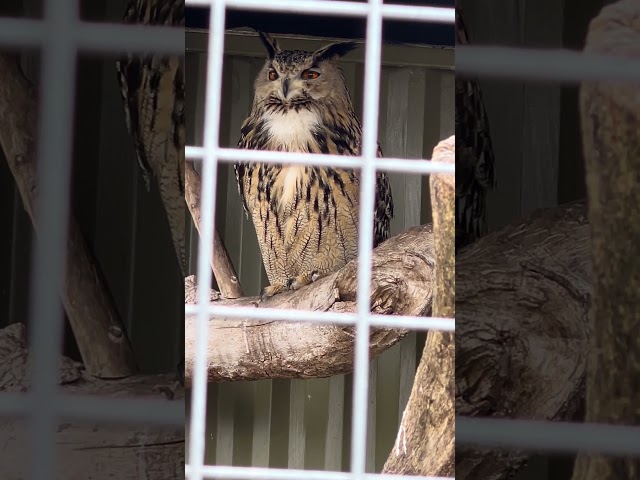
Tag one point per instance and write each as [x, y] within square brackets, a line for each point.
[402, 282]
[221, 264]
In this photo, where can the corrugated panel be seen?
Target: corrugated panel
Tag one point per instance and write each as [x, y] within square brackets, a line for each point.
[306, 423]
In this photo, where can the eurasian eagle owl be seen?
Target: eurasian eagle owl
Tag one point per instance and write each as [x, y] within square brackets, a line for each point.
[306, 218]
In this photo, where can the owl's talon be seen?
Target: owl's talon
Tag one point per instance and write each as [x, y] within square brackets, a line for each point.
[270, 291]
[302, 280]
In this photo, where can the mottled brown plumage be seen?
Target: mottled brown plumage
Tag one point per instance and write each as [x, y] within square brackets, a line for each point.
[306, 218]
[474, 155]
[153, 94]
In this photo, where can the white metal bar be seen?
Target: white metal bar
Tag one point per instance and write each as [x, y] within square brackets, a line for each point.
[332, 318]
[112, 37]
[550, 436]
[347, 9]
[21, 32]
[390, 164]
[56, 108]
[14, 404]
[418, 14]
[251, 473]
[549, 65]
[98, 409]
[121, 411]
[413, 323]
[218, 311]
[372, 71]
[316, 7]
[208, 201]
[100, 37]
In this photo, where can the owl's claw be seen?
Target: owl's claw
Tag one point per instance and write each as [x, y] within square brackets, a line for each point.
[270, 291]
[294, 283]
[302, 280]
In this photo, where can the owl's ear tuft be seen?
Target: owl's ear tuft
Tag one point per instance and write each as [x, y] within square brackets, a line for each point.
[270, 43]
[334, 50]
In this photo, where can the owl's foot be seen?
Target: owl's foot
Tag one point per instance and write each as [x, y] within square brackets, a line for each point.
[302, 280]
[294, 283]
[270, 291]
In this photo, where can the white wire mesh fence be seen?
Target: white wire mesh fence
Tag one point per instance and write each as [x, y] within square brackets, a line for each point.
[60, 35]
[211, 153]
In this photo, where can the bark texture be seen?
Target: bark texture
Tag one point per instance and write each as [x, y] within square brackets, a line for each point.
[522, 331]
[99, 333]
[402, 282]
[425, 444]
[86, 449]
[610, 115]
[223, 270]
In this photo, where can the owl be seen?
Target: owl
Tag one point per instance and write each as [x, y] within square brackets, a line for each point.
[474, 155]
[152, 88]
[306, 218]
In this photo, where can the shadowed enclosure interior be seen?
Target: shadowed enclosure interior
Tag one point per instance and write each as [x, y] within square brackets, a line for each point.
[72, 63]
[539, 162]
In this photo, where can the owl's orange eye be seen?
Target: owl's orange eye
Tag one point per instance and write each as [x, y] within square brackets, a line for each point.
[310, 74]
[272, 75]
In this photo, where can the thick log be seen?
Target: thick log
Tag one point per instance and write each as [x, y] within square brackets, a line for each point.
[425, 444]
[100, 335]
[610, 117]
[87, 449]
[402, 282]
[523, 296]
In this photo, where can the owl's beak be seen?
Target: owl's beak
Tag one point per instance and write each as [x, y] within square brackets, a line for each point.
[285, 87]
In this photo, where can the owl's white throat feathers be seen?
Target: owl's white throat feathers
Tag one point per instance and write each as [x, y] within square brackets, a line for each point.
[291, 131]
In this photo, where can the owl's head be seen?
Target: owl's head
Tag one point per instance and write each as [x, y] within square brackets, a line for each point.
[293, 78]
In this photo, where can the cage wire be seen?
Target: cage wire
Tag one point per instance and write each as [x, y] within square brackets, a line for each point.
[60, 35]
[211, 153]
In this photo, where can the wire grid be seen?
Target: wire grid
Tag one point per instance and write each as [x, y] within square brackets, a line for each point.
[61, 35]
[211, 153]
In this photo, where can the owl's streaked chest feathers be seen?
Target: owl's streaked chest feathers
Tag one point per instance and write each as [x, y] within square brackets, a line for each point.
[291, 130]
[287, 186]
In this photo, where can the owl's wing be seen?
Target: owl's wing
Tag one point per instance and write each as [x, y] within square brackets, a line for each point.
[384, 207]
[243, 170]
[474, 155]
[152, 88]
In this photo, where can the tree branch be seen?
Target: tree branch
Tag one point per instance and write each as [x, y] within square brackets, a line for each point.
[86, 449]
[610, 117]
[402, 280]
[99, 333]
[425, 444]
[522, 300]
[221, 264]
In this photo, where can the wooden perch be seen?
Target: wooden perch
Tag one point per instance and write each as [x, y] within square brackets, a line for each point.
[86, 449]
[223, 270]
[522, 300]
[425, 444]
[99, 333]
[247, 350]
[610, 118]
